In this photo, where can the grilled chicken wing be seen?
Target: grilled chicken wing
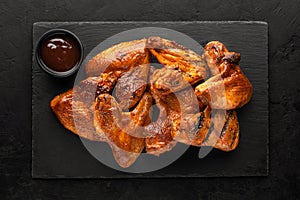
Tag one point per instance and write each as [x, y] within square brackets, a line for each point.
[65, 108]
[115, 125]
[172, 108]
[72, 108]
[220, 131]
[229, 88]
[119, 58]
[159, 138]
[230, 134]
[131, 86]
[175, 56]
[165, 81]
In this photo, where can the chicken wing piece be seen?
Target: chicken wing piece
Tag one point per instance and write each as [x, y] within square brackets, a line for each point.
[131, 86]
[175, 56]
[65, 108]
[119, 58]
[162, 82]
[215, 53]
[108, 121]
[192, 126]
[72, 108]
[189, 125]
[159, 138]
[230, 134]
[229, 88]
[141, 115]
[172, 105]
[220, 131]
[165, 81]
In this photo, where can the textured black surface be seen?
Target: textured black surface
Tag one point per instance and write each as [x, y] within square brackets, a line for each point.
[69, 158]
[16, 19]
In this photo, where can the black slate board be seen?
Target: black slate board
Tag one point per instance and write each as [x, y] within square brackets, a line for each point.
[56, 153]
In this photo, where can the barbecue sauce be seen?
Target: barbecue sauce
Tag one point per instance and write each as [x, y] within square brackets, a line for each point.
[60, 52]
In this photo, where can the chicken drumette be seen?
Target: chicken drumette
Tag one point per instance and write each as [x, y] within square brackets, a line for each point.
[228, 88]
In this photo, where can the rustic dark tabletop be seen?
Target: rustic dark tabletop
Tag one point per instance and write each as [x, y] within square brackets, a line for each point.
[16, 19]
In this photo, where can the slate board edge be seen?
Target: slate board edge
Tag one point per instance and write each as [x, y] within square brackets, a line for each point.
[41, 23]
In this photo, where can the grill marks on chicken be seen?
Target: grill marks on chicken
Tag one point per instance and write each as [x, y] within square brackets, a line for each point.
[199, 129]
[220, 131]
[229, 137]
[188, 125]
[201, 115]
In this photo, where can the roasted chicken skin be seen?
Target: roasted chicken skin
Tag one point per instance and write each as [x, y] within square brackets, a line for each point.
[202, 129]
[119, 128]
[119, 58]
[74, 105]
[158, 133]
[192, 126]
[165, 81]
[229, 88]
[131, 86]
[174, 56]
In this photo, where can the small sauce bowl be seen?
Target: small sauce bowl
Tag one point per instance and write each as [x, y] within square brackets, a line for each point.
[59, 52]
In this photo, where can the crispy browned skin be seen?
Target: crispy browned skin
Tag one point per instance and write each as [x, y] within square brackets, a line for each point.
[201, 130]
[140, 115]
[131, 86]
[229, 137]
[229, 87]
[172, 105]
[119, 58]
[109, 119]
[193, 129]
[72, 108]
[192, 126]
[165, 81]
[62, 107]
[175, 56]
[159, 138]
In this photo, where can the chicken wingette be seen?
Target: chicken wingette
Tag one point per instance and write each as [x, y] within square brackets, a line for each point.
[119, 58]
[174, 56]
[72, 108]
[121, 129]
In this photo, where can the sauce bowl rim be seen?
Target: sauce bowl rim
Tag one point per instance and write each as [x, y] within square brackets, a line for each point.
[44, 66]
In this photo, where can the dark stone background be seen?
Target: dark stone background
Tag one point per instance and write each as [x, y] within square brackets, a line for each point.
[16, 19]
